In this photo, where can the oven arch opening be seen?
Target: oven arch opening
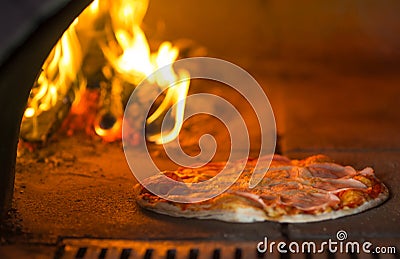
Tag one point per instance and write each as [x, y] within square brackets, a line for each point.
[18, 72]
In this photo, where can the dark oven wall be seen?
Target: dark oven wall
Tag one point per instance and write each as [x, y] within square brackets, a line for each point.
[29, 30]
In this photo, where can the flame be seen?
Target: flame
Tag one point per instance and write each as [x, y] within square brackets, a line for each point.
[93, 8]
[59, 72]
[136, 62]
[176, 95]
[129, 56]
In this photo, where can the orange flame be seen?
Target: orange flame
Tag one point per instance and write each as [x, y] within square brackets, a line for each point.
[127, 50]
[136, 63]
[59, 72]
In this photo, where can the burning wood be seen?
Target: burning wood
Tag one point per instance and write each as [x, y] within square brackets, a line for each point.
[55, 89]
[113, 28]
[108, 121]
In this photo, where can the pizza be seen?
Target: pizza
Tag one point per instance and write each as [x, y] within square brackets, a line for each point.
[307, 190]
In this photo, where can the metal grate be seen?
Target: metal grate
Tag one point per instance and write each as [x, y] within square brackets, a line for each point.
[85, 248]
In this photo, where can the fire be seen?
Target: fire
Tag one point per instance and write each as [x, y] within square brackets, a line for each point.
[128, 58]
[176, 95]
[60, 72]
[136, 62]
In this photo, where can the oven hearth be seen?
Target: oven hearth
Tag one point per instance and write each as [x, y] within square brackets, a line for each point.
[81, 187]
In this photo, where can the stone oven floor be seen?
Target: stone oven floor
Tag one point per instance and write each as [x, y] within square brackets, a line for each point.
[82, 187]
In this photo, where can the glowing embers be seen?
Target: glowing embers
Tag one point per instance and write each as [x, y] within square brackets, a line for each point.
[108, 34]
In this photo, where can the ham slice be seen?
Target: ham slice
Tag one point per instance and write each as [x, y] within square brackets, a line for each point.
[331, 170]
[310, 201]
[338, 185]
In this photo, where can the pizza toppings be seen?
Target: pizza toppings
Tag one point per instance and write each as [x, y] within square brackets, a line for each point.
[331, 170]
[308, 188]
[338, 185]
[257, 199]
[290, 188]
[310, 201]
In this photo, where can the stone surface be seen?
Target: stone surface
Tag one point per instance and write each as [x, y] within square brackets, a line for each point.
[27, 251]
[340, 33]
[341, 113]
[92, 195]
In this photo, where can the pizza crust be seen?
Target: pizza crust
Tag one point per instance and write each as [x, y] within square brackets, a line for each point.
[240, 214]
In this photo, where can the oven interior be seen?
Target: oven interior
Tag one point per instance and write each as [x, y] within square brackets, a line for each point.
[330, 71]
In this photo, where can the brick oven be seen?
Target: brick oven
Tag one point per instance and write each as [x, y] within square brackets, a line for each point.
[330, 71]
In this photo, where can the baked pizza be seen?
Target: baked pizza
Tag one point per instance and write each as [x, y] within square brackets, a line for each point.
[312, 189]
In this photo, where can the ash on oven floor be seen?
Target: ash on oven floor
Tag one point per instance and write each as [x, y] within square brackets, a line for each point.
[106, 248]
